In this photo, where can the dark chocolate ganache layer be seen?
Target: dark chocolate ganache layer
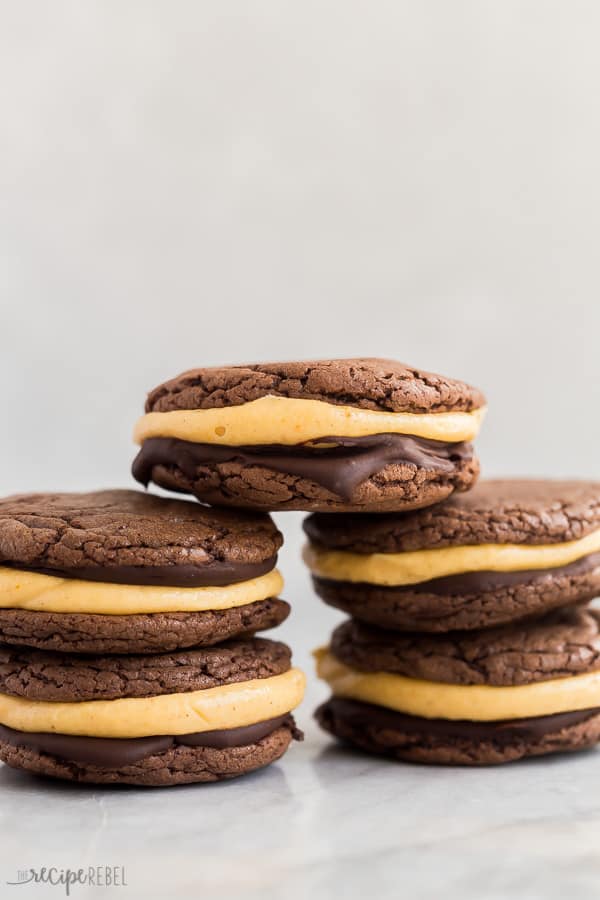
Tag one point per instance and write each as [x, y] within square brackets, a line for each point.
[339, 467]
[113, 753]
[366, 715]
[212, 575]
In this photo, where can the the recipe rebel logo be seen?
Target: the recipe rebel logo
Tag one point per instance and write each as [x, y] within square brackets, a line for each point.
[91, 876]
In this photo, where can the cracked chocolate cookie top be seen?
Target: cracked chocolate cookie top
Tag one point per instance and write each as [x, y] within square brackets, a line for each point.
[563, 643]
[41, 675]
[493, 512]
[379, 384]
[118, 528]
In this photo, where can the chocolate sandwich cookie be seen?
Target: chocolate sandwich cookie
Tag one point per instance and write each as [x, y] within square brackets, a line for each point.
[125, 572]
[331, 435]
[470, 698]
[174, 718]
[507, 550]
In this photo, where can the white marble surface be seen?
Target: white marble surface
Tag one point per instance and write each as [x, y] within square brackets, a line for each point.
[324, 822]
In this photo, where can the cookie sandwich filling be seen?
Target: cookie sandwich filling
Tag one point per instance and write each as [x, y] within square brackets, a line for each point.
[289, 421]
[483, 566]
[389, 701]
[121, 731]
[305, 438]
[472, 703]
[40, 592]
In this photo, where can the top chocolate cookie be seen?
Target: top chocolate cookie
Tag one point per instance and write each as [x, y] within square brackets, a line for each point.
[331, 435]
[131, 537]
[565, 642]
[379, 384]
[518, 511]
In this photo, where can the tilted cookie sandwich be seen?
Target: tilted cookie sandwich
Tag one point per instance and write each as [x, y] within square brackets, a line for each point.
[125, 572]
[505, 551]
[469, 698]
[331, 435]
[173, 718]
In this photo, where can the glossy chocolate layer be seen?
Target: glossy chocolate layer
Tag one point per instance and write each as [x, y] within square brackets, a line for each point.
[367, 715]
[213, 575]
[113, 753]
[481, 582]
[340, 468]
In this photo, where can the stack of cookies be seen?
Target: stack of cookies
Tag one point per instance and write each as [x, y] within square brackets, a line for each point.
[128, 652]
[470, 639]
[128, 621]
[467, 641]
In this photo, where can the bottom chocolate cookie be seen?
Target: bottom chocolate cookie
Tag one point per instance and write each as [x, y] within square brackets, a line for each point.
[441, 741]
[152, 762]
[276, 478]
[142, 633]
[465, 602]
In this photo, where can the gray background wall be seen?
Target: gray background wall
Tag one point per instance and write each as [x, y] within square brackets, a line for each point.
[188, 183]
